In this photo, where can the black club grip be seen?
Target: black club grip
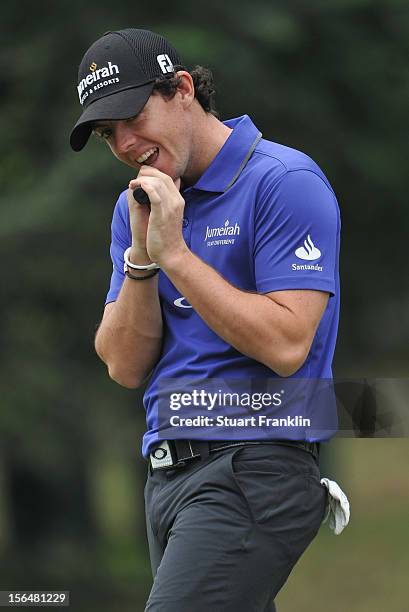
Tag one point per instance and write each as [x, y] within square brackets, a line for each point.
[141, 196]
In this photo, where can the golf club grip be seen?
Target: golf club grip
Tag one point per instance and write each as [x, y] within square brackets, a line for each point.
[141, 196]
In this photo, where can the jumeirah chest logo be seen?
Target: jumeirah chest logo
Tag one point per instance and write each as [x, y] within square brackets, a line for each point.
[226, 234]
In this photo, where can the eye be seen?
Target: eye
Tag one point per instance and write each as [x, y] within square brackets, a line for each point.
[103, 133]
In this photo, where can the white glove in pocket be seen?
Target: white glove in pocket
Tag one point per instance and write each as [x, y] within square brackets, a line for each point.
[338, 511]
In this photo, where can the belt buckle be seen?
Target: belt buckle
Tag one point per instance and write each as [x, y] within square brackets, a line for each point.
[162, 456]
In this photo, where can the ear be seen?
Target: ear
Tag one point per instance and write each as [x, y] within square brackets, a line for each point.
[186, 89]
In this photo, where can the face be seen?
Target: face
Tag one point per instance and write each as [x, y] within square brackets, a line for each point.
[162, 129]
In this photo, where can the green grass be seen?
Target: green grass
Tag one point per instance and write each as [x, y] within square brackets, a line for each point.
[365, 569]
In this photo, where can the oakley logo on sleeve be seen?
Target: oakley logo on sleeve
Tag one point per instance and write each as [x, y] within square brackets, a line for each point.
[309, 251]
[179, 303]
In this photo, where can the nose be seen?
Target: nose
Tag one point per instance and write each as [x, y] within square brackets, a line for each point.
[124, 137]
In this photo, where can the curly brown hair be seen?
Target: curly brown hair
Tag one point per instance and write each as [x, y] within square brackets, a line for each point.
[202, 81]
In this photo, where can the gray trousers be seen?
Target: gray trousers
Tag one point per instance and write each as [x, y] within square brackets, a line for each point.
[224, 533]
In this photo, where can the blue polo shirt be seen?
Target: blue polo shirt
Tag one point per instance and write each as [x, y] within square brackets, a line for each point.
[266, 218]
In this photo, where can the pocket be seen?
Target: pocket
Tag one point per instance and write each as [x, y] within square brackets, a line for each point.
[270, 492]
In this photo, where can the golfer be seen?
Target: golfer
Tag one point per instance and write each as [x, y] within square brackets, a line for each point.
[229, 271]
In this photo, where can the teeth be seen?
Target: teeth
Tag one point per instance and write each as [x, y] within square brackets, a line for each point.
[145, 155]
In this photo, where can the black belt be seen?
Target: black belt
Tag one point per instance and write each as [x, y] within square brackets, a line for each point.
[176, 453]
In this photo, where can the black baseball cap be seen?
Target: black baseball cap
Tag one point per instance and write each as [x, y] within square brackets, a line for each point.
[116, 77]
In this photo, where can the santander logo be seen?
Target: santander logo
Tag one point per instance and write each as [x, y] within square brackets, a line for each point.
[309, 251]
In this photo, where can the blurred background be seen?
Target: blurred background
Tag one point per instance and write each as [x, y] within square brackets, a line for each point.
[329, 77]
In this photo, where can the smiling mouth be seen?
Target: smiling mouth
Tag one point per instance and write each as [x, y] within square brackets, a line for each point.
[149, 157]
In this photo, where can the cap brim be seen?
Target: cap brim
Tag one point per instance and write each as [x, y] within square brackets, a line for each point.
[119, 105]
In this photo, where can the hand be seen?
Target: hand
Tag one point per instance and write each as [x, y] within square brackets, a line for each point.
[138, 219]
[164, 237]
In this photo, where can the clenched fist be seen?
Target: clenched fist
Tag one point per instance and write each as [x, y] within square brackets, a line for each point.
[156, 233]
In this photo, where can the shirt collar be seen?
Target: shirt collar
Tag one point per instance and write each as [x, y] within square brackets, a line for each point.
[228, 164]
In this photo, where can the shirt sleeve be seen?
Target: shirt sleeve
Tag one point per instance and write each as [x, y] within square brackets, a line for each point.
[120, 241]
[296, 242]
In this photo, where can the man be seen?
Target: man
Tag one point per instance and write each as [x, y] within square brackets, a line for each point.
[245, 233]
